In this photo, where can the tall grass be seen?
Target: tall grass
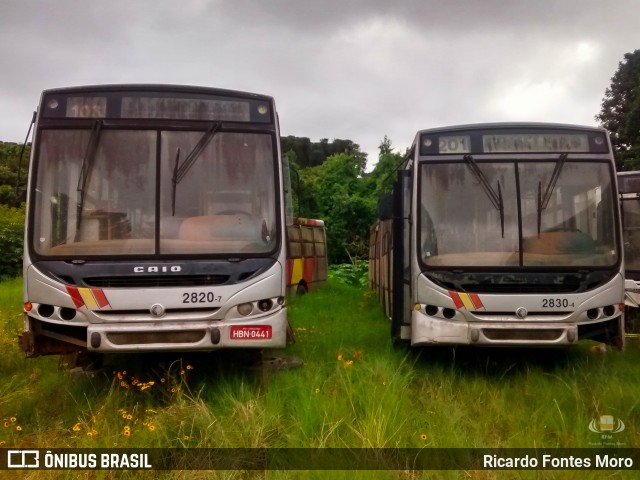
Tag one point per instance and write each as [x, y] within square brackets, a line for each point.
[354, 390]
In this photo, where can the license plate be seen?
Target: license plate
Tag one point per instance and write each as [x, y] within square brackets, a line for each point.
[251, 332]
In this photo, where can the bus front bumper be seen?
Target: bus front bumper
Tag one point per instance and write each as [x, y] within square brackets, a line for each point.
[265, 332]
[426, 330]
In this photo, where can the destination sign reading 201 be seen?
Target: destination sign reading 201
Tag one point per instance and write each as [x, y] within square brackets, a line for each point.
[516, 143]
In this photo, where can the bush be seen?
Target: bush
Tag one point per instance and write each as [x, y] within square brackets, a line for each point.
[355, 274]
[11, 238]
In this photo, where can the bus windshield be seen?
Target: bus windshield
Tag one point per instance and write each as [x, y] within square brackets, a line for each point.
[556, 213]
[131, 192]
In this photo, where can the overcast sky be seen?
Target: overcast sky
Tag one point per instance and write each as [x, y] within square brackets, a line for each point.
[350, 69]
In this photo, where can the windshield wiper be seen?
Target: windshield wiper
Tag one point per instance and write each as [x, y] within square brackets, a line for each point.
[174, 183]
[180, 171]
[494, 198]
[85, 171]
[543, 202]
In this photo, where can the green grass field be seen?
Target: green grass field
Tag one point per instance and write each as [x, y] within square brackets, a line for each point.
[354, 390]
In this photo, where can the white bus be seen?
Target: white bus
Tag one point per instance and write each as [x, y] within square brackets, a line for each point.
[155, 222]
[503, 234]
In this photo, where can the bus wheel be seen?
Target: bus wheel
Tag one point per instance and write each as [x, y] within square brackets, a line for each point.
[89, 360]
[302, 289]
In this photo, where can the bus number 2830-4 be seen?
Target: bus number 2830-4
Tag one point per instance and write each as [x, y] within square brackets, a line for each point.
[556, 303]
[200, 297]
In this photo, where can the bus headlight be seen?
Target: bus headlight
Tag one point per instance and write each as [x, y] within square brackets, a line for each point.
[245, 309]
[265, 305]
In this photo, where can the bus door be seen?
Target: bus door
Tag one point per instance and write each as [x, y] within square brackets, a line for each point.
[401, 281]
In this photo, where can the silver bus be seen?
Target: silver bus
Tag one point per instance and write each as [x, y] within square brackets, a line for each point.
[503, 234]
[155, 222]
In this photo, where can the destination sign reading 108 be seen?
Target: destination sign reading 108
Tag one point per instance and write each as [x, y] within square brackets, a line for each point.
[517, 143]
[162, 107]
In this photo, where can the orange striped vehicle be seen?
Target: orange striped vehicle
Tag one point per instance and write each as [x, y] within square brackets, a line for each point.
[306, 255]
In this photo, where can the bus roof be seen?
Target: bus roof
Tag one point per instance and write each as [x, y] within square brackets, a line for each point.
[512, 138]
[151, 87]
[510, 125]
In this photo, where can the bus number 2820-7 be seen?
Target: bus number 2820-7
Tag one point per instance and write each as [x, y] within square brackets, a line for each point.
[200, 297]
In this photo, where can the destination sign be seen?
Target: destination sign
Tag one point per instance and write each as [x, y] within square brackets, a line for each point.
[454, 144]
[185, 109]
[629, 183]
[86, 107]
[535, 142]
[157, 105]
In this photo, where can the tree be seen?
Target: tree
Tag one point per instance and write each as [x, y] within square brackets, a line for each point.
[336, 192]
[384, 174]
[620, 112]
[312, 154]
[12, 189]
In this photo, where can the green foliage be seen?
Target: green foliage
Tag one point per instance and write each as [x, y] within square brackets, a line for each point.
[9, 160]
[355, 274]
[334, 192]
[11, 238]
[311, 154]
[384, 174]
[345, 197]
[620, 112]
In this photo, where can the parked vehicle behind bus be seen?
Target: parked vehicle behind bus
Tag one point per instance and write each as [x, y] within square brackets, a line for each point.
[307, 255]
[629, 190]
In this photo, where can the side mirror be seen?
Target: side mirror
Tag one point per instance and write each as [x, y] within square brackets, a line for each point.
[385, 207]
